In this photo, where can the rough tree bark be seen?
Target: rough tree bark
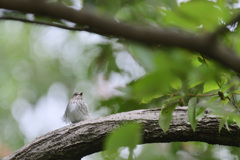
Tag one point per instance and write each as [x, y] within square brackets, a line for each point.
[78, 140]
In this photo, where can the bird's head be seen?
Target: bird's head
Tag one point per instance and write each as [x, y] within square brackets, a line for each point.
[78, 95]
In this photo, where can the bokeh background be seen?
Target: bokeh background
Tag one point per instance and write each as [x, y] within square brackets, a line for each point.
[42, 66]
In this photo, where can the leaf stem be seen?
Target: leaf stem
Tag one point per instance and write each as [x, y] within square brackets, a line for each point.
[203, 95]
[233, 103]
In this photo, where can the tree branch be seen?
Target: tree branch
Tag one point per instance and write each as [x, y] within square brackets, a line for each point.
[86, 28]
[145, 34]
[87, 137]
[42, 23]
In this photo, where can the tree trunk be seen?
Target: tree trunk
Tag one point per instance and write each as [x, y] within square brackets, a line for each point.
[78, 140]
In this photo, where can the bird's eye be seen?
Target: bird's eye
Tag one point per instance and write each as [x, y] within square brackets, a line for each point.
[75, 94]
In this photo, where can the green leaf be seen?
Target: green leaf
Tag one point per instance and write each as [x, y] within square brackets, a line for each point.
[200, 112]
[237, 120]
[213, 98]
[121, 104]
[168, 108]
[194, 83]
[148, 99]
[165, 116]
[142, 54]
[226, 124]
[192, 112]
[224, 102]
[191, 14]
[200, 59]
[209, 86]
[151, 85]
[104, 62]
[164, 121]
[128, 135]
[224, 121]
[176, 84]
[237, 91]
[198, 89]
[175, 98]
[221, 124]
[225, 87]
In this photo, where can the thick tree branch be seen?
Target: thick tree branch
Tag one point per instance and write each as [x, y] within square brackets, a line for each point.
[87, 137]
[151, 35]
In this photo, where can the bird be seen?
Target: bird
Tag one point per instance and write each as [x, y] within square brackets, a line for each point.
[77, 109]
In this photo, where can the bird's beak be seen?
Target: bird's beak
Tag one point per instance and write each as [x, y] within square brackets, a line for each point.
[81, 93]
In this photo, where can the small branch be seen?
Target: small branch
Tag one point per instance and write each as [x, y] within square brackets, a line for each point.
[233, 103]
[86, 28]
[201, 95]
[42, 23]
[204, 60]
[80, 139]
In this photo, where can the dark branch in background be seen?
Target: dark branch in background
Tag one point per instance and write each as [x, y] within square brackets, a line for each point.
[86, 28]
[43, 23]
[202, 43]
[87, 137]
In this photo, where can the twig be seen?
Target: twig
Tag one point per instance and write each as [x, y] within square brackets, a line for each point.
[233, 103]
[86, 28]
[204, 60]
[203, 95]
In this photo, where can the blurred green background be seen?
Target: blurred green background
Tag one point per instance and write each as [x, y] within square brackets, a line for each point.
[41, 67]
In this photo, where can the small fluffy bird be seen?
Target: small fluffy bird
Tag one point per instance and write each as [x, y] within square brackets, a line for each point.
[77, 109]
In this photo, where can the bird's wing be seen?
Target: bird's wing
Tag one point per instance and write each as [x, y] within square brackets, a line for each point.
[66, 114]
[85, 108]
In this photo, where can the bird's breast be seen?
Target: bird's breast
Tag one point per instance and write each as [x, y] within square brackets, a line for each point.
[75, 106]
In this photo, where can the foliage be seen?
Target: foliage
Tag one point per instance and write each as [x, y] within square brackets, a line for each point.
[31, 63]
[127, 135]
